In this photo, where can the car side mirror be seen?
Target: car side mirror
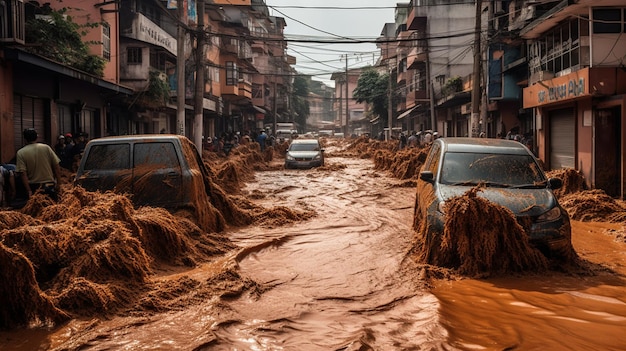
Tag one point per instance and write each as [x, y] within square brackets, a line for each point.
[555, 183]
[427, 176]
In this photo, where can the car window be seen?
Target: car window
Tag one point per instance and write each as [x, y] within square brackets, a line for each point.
[461, 167]
[155, 153]
[432, 162]
[108, 156]
[304, 147]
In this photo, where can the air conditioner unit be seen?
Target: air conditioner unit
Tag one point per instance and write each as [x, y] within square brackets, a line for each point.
[545, 75]
[466, 109]
[12, 28]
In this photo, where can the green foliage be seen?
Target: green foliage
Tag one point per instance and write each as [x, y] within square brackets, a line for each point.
[453, 85]
[373, 88]
[59, 39]
[158, 89]
[300, 103]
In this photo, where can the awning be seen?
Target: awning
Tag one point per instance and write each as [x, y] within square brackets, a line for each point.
[407, 112]
[259, 109]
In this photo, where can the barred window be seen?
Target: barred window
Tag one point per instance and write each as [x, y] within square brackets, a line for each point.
[106, 41]
[133, 55]
[232, 76]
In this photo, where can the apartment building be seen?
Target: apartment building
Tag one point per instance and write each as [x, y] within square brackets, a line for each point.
[576, 89]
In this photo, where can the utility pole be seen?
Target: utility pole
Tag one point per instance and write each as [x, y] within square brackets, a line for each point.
[476, 92]
[200, 67]
[180, 67]
[389, 103]
[347, 129]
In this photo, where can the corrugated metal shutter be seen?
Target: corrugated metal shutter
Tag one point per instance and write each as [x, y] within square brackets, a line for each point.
[562, 139]
[28, 112]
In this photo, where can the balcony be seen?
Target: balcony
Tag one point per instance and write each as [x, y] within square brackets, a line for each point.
[402, 76]
[416, 97]
[245, 89]
[417, 56]
[417, 19]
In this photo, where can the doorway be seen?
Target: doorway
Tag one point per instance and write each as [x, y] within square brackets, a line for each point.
[608, 148]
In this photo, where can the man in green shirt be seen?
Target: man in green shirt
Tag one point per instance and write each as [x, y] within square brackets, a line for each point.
[38, 166]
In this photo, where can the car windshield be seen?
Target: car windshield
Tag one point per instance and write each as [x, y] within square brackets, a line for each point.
[465, 168]
[304, 147]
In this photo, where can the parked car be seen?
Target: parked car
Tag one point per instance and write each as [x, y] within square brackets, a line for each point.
[304, 153]
[511, 176]
[156, 170]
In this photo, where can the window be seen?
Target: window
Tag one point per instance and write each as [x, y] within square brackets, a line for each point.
[133, 55]
[232, 77]
[106, 41]
[607, 20]
[156, 154]
[111, 156]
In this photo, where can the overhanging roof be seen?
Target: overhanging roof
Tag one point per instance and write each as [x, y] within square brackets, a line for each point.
[18, 55]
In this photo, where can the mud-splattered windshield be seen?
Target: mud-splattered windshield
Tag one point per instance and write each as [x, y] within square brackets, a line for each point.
[304, 147]
[464, 168]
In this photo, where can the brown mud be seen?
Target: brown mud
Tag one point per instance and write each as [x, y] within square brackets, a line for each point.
[271, 276]
[94, 254]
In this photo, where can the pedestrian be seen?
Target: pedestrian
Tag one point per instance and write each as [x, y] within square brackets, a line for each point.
[38, 166]
[261, 140]
[67, 161]
[7, 184]
[403, 141]
[428, 137]
[59, 147]
[412, 140]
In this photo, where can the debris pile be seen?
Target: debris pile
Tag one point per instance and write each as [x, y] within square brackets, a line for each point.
[482, 238]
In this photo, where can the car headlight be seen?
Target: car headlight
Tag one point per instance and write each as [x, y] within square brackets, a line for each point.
[289, 157]
[442, 207]
[551, 215]
[317, 157]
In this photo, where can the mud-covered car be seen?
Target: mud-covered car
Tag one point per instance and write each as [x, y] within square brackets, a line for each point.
[510, 176]
[156, 170]
[304, 153]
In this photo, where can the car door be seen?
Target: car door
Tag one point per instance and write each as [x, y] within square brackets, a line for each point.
[106, 167]
[158, 179]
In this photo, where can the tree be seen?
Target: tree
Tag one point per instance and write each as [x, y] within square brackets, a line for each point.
[56, 37]
[299, 100]
[373, 88]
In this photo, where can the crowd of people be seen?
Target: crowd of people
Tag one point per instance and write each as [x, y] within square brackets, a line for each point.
[36, 167]
[227, 141]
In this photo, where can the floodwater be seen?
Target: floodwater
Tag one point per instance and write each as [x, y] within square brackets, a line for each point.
[344, 280]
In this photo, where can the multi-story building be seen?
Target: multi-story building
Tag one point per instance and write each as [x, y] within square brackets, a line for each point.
[576, 89]
[442, 63]
[50, 95]
[135, 90]
[350, 115]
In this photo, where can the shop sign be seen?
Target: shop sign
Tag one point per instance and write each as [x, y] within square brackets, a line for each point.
[568, 87]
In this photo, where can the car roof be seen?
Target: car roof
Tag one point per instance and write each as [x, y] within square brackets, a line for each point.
[305, 141]
[483, 145]
[136, 138]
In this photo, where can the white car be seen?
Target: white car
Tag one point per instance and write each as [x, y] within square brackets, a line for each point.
[304, 153]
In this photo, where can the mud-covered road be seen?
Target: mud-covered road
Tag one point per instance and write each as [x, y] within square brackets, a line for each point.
[344, 280]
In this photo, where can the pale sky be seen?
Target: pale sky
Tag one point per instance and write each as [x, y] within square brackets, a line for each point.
[332, 20]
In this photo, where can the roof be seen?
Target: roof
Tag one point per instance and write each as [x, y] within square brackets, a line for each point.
[483, 145]
[305, 141]
[139, 137]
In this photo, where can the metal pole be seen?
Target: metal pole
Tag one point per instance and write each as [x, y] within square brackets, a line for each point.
[389, 104]
[180, 69]
[347, 129]
[476, 93]
[199, 96]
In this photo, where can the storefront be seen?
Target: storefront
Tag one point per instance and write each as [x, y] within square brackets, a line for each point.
[579, 123]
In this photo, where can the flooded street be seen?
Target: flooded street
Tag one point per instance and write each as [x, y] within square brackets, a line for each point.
[338, 280]
[345, 280]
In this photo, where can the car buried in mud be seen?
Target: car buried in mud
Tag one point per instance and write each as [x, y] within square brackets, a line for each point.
[159, 170]
[304, 153]
[508, 174]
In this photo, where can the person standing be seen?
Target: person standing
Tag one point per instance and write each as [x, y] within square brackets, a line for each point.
[38, 166]
[261, 140]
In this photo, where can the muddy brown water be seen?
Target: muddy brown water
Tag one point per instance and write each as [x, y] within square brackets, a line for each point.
[343, 281]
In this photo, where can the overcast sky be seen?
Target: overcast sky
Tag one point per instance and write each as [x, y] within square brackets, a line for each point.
[324, 20]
